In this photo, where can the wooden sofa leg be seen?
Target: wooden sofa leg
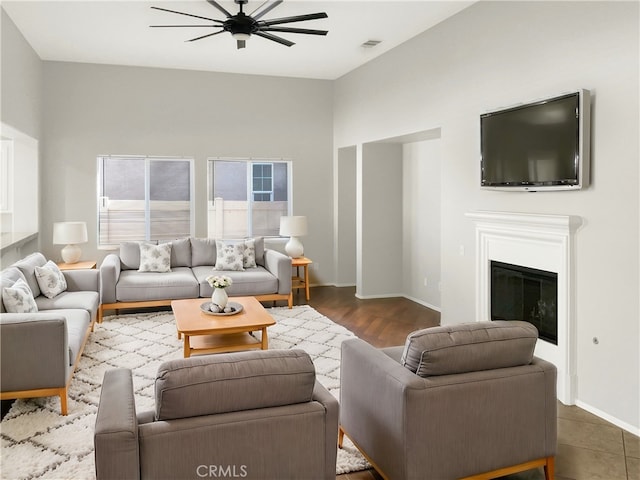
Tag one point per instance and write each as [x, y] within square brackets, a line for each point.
[290, 300]
[549, 468]
[63, 401]
[340, 436]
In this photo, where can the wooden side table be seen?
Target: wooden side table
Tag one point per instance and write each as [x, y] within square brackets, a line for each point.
[87, 265]
[301, 282]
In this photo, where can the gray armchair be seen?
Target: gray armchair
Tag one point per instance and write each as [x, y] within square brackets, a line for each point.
[468, 400]
[254, 415]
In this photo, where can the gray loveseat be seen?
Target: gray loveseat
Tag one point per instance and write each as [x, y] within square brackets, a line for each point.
[122, 285]
[254, 415]
[40, 349]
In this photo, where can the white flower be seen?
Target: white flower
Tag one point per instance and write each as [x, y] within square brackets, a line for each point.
[219, 281]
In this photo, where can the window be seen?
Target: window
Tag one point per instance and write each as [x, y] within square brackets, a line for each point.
[19, 203]
[144, 198]
[262, 185]
[247, 197]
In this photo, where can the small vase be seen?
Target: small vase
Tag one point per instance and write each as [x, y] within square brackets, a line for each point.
[219, 297]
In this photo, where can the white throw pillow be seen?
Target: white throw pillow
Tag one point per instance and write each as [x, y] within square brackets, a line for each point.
[249, 257]
[155, 258]
[229, 257]
[19, 298]
[50, 280]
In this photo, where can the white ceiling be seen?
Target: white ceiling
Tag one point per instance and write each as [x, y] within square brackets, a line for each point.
[117, 33]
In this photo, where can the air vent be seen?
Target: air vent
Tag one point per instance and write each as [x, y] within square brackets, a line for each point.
[370, 43]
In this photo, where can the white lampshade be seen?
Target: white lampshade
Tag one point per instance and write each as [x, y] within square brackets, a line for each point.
[70, 234]
[293, 227]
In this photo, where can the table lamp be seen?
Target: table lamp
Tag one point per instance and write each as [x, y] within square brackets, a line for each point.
[70, 234]
[293, 227]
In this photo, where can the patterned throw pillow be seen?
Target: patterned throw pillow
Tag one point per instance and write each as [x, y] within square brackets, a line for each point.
[50, 280]
[19, 298]
[155, 258]
[229, 257]
[249, 257]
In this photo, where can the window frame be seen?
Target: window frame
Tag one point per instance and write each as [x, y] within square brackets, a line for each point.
[250, 181]
[148, 159]
[250, 161]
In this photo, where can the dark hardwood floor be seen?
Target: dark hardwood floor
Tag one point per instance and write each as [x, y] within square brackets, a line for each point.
[382, 322]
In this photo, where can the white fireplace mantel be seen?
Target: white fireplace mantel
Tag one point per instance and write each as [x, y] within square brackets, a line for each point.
[540, 241]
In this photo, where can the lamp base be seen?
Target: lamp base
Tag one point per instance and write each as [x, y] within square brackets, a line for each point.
[294, 247]
[71, 253]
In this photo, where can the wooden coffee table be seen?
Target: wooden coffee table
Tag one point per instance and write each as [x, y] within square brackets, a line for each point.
[221, 333]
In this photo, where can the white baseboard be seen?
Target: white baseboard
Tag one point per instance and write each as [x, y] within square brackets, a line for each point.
[396, 295]
[329, 285]
[609, 418]
[386, 295]
[423, 303]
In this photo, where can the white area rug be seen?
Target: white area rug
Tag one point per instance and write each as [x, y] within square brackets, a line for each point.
[38, 442]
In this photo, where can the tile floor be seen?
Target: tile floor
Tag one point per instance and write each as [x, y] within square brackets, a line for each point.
[589, 448]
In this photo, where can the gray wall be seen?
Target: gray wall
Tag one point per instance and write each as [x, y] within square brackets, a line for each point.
[92, 110]
[21, 81]
[421, 222]
[379, 243]
[21, 109]
[497, 54]
[345, 217]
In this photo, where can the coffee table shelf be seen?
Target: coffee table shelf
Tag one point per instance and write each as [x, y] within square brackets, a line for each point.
[204, 333]
[231, 342]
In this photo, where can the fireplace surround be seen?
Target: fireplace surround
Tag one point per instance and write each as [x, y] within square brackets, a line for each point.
[541, 242]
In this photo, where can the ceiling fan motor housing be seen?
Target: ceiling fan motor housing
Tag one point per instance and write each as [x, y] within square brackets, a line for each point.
[240, 23]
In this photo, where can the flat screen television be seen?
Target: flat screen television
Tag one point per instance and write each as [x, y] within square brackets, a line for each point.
[543, 145]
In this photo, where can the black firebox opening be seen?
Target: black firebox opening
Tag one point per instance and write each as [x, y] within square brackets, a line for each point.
[522, 293]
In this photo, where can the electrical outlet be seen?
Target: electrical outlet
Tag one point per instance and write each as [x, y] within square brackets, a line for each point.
[425, 281]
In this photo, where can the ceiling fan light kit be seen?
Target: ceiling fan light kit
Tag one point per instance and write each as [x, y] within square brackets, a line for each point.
[243, 26]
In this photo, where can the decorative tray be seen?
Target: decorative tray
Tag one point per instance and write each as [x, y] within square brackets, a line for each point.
[235, 308]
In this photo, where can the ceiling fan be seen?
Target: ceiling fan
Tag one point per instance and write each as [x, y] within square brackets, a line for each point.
[242, 26]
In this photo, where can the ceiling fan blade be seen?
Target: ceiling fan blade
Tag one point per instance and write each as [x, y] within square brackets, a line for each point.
[273, 5]
[274, 38]
[205, 36]
[219, 7]
[294, 30]
[297, 18]
[187, 14]
[241, 44]
[172, 26]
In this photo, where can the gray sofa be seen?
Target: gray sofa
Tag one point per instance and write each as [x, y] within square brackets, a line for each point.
[40, 350]
[254, 415]
[192, 260]
[460, 401]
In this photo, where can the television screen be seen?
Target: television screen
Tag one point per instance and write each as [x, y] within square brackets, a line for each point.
[541, 145]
